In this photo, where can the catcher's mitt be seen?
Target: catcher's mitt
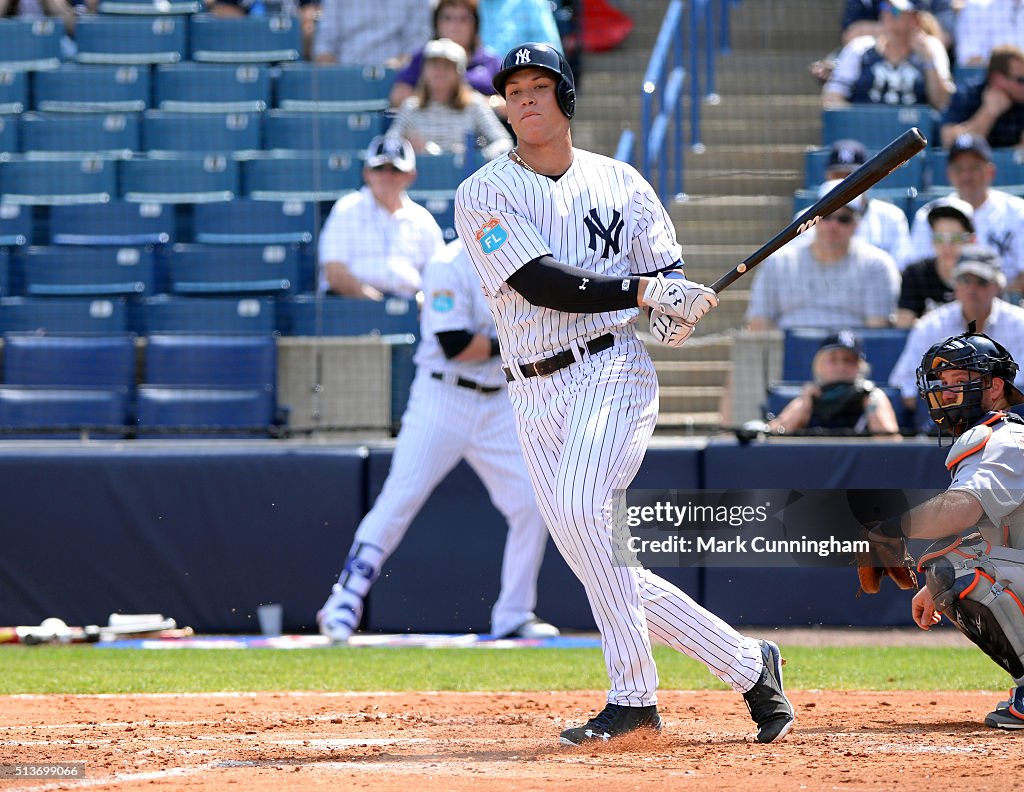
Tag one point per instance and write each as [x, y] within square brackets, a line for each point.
[885, 556]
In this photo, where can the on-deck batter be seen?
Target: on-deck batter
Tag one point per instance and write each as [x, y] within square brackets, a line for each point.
[568, 245]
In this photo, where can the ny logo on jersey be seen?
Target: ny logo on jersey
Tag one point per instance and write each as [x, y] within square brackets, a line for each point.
[609, 234]
[523, 56]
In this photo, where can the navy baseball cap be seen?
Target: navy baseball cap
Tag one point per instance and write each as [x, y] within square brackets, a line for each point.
[843, 339]
[973, 144]
[847, 154]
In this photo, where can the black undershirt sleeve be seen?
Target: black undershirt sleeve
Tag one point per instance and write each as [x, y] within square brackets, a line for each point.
[453, 341]
[562, 287]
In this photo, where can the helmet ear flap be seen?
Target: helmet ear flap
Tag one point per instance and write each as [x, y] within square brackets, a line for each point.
[567, 98]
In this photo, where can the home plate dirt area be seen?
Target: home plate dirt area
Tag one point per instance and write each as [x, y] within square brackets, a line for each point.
[507, 741]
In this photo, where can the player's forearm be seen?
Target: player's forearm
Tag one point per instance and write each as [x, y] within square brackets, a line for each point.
[563, 287]
[948, 514]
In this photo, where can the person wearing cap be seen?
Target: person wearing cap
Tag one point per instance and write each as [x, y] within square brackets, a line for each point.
[377, 240]
[998, 216]
[445, 111]
[833, 281]
[378, 33]
[901, 65]
[929, 283]
[978, 282]
[991, 105]
[839, 396]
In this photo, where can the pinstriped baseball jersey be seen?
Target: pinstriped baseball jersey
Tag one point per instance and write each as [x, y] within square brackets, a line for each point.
[601, 216]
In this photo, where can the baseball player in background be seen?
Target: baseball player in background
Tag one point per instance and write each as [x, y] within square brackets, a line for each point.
[974, 574]
[569, 245]
[457, 410]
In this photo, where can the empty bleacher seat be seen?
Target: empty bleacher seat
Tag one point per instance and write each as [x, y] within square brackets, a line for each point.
[15, 225]
[130, 40]
[41, 411]
[108, 134]
[197, 269]
[201, 87]
[185, 179]
[188, 413]
[439, 175]
[30, 44]
[5, 265]
[168, 313]
[205, 133]
[114, 223]
[244, 221]
[69, 315]
[86, 89]
[301, 176]
[882, 348]
[288, 129]
[13, 91]
[443, 209]
[83, 271]
[94, 361]
[332, 88]
[149, 7]
[250, 39]
[9, 133]
[876, 125]
[57, 181]
[316, 314]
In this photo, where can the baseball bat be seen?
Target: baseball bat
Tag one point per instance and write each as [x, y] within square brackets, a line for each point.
[870, 173]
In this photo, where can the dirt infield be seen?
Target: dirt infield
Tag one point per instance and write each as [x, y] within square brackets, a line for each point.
[459, 741]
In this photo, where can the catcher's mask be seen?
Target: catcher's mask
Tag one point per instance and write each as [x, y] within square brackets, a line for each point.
[982, 358]
[540, 56]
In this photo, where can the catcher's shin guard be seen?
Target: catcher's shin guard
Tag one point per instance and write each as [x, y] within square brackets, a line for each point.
[977, 593]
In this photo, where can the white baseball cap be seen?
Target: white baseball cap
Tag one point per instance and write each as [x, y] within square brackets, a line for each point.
[395, 151]
[446, 49]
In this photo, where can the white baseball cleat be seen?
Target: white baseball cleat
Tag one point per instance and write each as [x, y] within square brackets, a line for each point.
[533, 628]
[339, 617]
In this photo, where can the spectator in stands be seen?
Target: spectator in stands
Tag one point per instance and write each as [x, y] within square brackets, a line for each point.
[458, 20]
[991, 106]
[446, 111]
[306, 11]
[929, 283]
[377, 241]
[863, 18]
[902, 65]
[37, 9]
[377, 33]
[506, 23]
[979, 281]
[835, 281]
[982, 25]
[839, 397]
[998, 216]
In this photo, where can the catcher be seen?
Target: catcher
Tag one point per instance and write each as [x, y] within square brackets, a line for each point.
[974, 573]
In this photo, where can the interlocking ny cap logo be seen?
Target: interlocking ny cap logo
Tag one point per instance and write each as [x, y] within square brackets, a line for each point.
[523, 56]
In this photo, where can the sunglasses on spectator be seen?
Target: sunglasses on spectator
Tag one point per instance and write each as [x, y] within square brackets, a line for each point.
[972, 280]
[950, 238]
[842, 219]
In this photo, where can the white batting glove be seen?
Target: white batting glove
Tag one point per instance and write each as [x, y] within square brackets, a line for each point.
[672, 294]
[669, 330]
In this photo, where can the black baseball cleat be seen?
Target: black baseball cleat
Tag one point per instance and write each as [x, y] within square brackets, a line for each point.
[613, 721]
[766, 701]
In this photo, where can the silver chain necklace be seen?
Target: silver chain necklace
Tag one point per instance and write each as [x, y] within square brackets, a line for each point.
[521, 161]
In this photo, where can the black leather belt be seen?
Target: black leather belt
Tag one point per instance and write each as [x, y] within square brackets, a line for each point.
[549, 365]
[465, 383]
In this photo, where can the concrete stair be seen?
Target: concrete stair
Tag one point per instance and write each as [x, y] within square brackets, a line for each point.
[738, 192]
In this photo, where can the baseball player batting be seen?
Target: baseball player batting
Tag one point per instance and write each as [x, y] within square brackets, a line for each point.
[569, 245]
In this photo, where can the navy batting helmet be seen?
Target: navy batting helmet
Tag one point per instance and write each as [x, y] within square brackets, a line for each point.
[541, 56]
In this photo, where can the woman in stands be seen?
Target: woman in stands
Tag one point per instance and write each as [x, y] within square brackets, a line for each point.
[445, 111]
[902, 65]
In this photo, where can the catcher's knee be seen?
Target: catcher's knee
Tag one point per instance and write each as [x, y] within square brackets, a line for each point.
[968, 588]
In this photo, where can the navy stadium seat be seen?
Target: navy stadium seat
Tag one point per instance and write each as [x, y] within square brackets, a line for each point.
[37, 409]
[9, 133]
[333, 88]
[313, 315]
[287, 129]
[85, 271]
[130, 40]
[112, 135]
[93, 361]
[882, 348]
[201, 87]
[876, 125]
[15, 225]
[54, 182]
[910, 174]
[114, 223]
[196, 269]
[185, 179]
[250, 39]
[70, 315]
[441, 174]
[13, 91]
[5, 265]
[443, 210]
[202, 412]
[86, 89]
[301, 176]
[245, 221]
[30, 44]
[149, 7]
[203, 133]
[167, 313]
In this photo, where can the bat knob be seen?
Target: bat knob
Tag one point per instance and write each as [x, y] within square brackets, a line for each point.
[741, 268]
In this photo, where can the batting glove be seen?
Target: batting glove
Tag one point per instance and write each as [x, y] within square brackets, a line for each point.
[672, 294]
[669, 330]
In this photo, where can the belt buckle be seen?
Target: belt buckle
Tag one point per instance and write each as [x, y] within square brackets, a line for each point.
[546, 367]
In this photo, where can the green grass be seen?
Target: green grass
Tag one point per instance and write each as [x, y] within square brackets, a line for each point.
[87, 669]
